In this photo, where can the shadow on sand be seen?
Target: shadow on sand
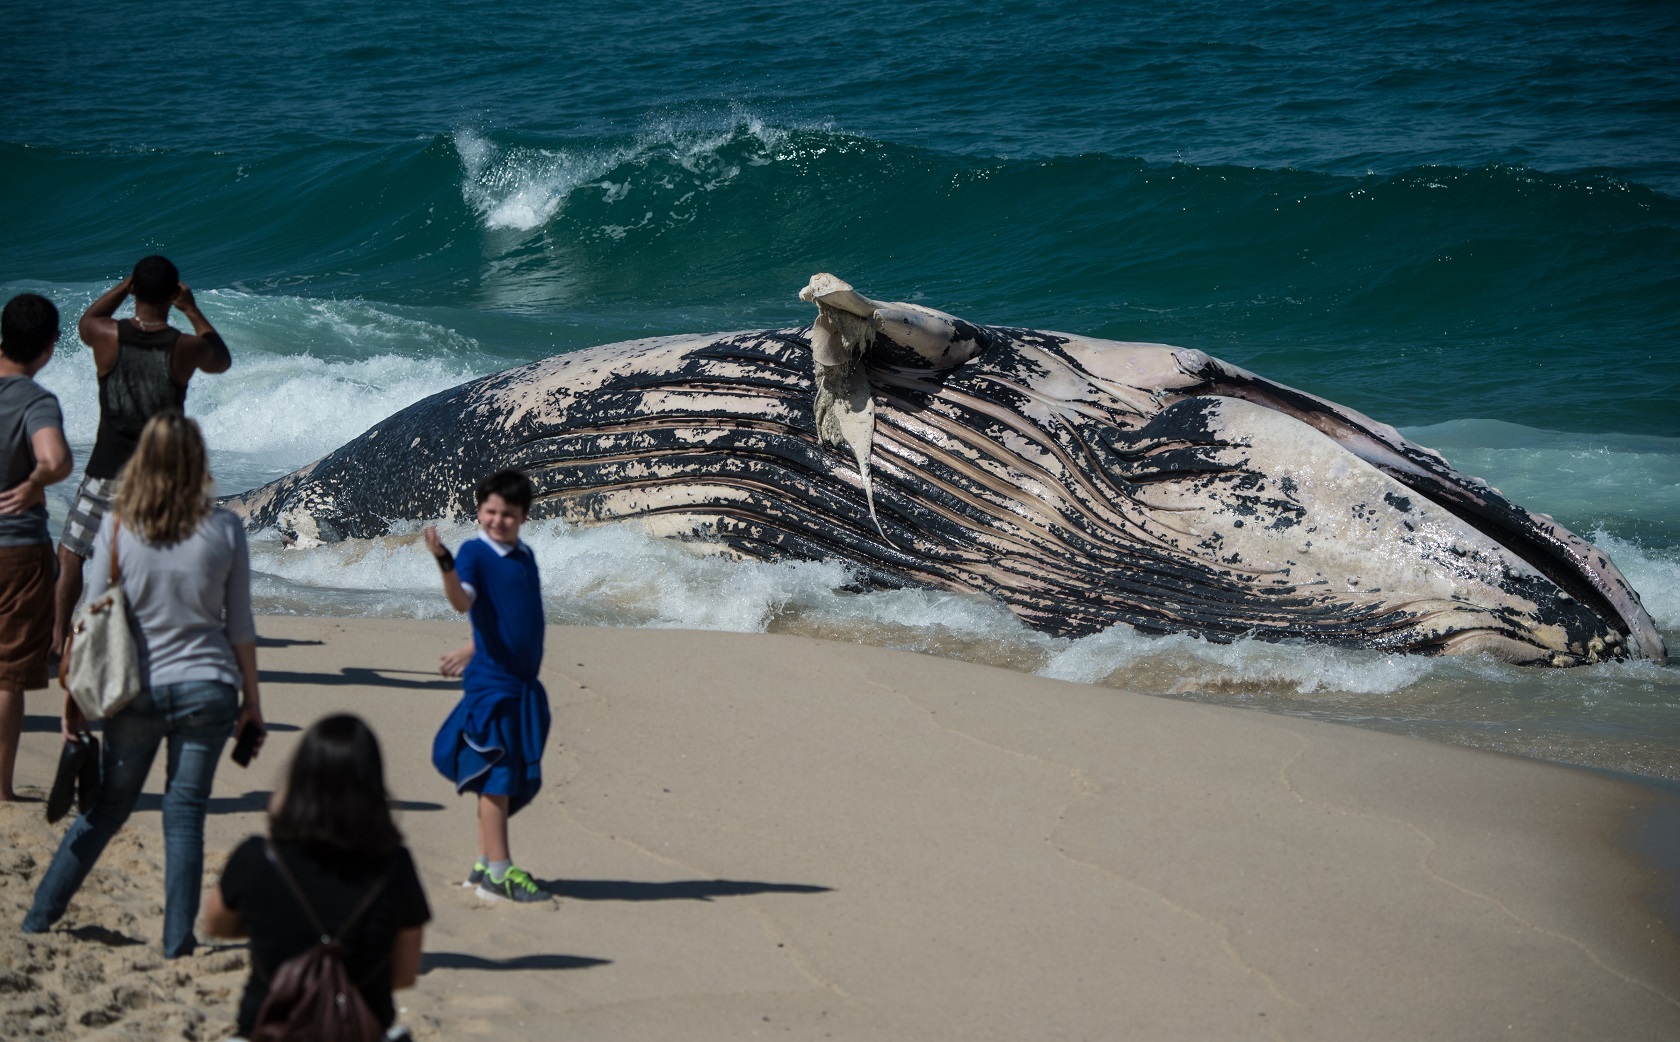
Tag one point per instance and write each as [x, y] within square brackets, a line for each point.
[104, 935]
[360, 676]
[50, 725]
[287, 642]
[684, 890]
[430, 961]
[256, 800]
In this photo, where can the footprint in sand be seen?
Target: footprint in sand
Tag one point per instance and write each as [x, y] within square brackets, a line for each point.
[99, 974]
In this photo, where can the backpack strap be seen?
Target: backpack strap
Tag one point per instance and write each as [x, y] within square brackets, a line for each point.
[373, 893]
[309, 909]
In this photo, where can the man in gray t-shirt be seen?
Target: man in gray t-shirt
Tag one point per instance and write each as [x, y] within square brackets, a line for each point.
[29, 414]
[33, 455]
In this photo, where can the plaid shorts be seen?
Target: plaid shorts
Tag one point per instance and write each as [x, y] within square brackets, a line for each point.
[93, 498]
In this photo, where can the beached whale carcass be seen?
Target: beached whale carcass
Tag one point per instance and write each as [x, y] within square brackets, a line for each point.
[1084, 483]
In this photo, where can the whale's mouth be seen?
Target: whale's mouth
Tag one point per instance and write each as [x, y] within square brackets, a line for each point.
[1575, 567]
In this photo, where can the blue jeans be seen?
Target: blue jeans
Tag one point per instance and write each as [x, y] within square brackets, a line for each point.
[196, 717]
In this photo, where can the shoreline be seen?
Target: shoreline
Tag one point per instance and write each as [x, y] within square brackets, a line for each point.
[760, 833]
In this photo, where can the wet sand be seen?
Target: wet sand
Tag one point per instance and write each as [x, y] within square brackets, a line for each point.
[769, 836]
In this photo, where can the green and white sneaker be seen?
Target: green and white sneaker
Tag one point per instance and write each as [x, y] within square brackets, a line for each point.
[476, 876]
[517, 886]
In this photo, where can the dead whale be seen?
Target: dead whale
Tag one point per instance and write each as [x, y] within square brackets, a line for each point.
[1084, 483]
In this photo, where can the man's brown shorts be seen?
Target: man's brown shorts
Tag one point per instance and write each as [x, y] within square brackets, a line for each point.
[26, 615]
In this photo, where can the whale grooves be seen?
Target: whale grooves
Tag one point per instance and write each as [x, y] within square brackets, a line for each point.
[1083, 483]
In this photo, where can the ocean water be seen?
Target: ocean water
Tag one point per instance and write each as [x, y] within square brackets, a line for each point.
[1460, 219]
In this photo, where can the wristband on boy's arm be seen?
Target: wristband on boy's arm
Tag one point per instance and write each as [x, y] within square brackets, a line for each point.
[446, 561]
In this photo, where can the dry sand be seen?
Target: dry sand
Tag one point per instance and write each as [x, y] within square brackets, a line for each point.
[772, 837]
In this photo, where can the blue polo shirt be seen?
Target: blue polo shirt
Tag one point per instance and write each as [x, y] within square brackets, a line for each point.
[506, 613]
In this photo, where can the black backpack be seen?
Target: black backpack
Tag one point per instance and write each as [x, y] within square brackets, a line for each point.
[312, 998]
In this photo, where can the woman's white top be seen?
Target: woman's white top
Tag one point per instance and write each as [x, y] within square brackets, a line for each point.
[188, 603]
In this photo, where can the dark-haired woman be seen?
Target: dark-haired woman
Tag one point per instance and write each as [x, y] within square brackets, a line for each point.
[331, 827]
[185, 570]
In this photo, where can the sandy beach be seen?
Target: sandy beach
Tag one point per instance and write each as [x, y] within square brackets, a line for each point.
[759, 836]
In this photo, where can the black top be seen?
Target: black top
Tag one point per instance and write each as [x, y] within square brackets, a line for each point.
[138, 387]
[280, 929]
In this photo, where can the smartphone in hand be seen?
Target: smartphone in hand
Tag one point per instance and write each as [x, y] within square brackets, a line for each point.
[246, 746]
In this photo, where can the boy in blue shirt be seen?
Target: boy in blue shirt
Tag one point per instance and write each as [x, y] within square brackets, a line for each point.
[493, 740]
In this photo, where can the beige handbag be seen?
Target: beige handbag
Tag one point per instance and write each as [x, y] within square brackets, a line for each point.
[102, 666]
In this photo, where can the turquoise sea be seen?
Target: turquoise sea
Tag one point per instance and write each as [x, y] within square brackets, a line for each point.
[1462, 219]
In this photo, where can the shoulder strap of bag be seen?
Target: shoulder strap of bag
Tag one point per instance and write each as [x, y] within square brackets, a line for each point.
[116, 537]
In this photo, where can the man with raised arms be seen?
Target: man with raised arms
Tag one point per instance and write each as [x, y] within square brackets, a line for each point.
[144, 364]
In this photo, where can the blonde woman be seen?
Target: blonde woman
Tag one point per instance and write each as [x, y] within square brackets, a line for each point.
[185, 570]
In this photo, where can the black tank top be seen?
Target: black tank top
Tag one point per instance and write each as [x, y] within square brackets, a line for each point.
[138, 387]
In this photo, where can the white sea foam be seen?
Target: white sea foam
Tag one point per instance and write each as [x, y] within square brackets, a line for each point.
[1655, 574]
[1182, 664]
[619, 575]
[522, 188]
[614, 575]
[308, 375]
